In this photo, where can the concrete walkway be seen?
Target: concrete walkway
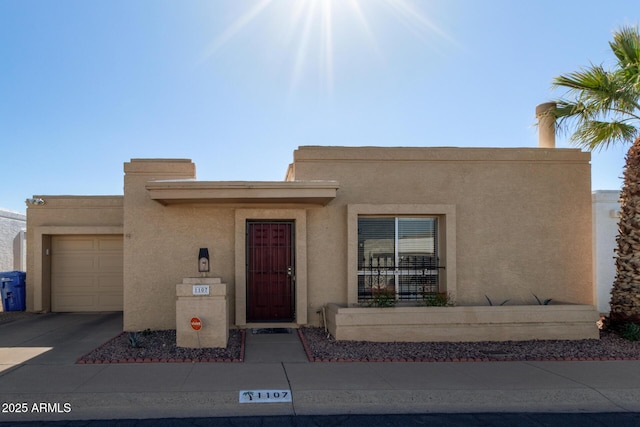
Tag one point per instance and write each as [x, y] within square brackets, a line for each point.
[39, 374]
[274, 348]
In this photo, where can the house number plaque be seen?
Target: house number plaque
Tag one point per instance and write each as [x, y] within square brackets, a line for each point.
[265, 396]
[200, 289]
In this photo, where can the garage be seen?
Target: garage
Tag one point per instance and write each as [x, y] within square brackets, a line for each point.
[86, 273]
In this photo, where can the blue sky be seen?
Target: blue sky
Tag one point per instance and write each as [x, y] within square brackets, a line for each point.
[237, 85]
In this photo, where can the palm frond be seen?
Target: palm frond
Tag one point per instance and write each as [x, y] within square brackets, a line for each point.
[602, 107]
[626, 46]
[593, 130]
[596, 135]
[567, 109]
[594, 78]
[623, 109]
[566, 114]
[599, 91]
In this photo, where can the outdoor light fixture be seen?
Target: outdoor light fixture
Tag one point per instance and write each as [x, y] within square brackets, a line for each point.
[36, 202]
[203, 260]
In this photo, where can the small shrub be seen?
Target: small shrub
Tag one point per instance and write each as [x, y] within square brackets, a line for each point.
[134, 340]
[631, 332]
[437, 299]
[541, 302]
[382, 297]
[491, 302]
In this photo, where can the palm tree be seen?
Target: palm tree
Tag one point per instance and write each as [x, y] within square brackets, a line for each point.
[602, 108]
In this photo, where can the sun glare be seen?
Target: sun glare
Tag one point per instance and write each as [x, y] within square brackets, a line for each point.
[309, 30]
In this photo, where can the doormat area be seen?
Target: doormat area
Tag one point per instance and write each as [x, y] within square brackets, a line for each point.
[260, 331]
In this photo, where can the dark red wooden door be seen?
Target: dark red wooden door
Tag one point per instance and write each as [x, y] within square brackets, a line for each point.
[270, 272]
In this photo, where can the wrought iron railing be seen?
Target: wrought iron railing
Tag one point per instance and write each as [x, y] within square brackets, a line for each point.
[411, 279]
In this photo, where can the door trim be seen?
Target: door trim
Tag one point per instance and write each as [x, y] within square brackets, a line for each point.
[299, 217]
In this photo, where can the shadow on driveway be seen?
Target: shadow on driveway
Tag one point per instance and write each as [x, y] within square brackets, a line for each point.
[53, 338]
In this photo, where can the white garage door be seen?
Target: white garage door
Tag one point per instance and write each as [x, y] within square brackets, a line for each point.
[86, 273]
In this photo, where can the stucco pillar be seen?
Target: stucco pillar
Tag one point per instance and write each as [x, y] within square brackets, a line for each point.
[546, 125]
[211, 309]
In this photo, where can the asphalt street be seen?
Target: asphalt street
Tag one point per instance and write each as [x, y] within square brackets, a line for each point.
[431, 420]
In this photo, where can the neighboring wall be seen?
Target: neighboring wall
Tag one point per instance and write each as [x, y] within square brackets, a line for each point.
[12, 241]
[63, 215]
[520, 219]
[606, 208]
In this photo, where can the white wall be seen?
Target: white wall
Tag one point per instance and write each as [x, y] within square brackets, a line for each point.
[606, 207]
[12, 241]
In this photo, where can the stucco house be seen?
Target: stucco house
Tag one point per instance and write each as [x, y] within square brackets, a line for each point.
[477, 224]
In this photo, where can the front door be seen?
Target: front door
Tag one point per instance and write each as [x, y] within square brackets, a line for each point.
[270, 272]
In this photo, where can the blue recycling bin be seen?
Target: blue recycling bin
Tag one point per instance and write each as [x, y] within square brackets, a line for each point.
[12, 290]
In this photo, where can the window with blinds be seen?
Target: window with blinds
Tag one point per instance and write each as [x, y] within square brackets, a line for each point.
[398, 254]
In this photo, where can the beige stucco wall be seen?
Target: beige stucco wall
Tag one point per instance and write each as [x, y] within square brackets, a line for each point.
[63, 215]
[463, 323]
[161, 243]
[516, 222]
[522, 216]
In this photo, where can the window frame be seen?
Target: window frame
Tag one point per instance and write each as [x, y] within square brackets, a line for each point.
[446, 215]
[410, 276]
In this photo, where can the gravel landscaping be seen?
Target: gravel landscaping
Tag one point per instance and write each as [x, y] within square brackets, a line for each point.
[610, 346]
[159, 346]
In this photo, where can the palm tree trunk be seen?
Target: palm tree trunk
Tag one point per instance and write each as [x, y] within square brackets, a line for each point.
[625, 294]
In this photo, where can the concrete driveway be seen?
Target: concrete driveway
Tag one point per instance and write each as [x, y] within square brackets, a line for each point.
[53, 338]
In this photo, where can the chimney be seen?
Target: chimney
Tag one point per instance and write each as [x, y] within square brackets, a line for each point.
[546, 125]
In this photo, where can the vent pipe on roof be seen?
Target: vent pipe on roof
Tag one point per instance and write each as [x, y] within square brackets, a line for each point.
[546, 125]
